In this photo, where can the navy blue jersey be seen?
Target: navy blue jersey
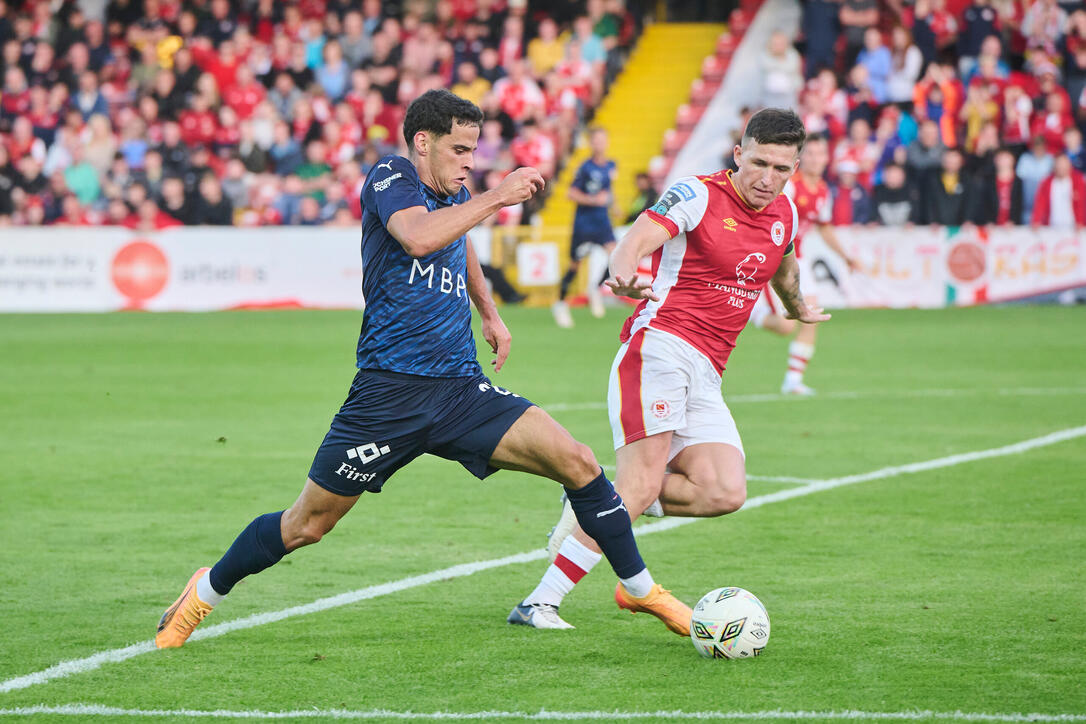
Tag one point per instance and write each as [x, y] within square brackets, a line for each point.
[592, 178]
[418, 317]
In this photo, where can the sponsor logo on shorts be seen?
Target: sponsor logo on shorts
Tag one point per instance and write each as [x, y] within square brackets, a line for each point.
[483, 387]
[661, 409]
[352, 473]
[368, 452]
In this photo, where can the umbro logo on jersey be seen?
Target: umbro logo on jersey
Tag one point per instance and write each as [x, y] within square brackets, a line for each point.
[368, 452]
[730, 224]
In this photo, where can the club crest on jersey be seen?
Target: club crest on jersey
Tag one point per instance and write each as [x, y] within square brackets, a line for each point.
[777, 233]
[746, 269]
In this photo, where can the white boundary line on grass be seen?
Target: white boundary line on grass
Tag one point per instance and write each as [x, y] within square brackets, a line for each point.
[845, 395]
[543, 715]
[89, 663]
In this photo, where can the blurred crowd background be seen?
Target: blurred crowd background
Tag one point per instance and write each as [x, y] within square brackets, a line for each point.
[154, 113]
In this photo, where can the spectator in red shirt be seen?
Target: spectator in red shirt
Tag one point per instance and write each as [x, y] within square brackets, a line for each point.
[533, 148]
[149, 217]
[518, 95]
[245, 95]
[198, 123]
[1052, 122]
[222, 63]
[1061, 198]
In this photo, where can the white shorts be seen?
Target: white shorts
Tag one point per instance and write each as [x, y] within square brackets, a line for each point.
[661, 383]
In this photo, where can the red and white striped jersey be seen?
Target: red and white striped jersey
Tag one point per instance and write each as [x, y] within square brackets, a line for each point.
[721, 254]
[813, 204]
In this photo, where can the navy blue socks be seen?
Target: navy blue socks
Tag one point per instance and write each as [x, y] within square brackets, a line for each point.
[603, 516]
[259, 546]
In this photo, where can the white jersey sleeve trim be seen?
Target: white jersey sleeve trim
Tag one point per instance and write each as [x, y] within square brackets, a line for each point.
[684, 203]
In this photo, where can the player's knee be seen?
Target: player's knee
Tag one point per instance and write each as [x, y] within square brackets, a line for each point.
[727, 500]
[307, 532]
[726, 496]
[581, 465]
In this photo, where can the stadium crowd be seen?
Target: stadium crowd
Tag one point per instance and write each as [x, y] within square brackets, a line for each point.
[155, 113]
[943, 112]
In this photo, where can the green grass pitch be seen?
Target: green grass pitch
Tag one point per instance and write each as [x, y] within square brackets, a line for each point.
[134, 447]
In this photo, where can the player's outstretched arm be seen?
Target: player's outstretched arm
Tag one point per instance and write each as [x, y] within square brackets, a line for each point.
[495, 332]
[643, 238]
[421, 232]
[786, 284]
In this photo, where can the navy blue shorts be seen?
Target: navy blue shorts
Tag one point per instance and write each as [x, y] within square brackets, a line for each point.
[584, 239]
[389, 419]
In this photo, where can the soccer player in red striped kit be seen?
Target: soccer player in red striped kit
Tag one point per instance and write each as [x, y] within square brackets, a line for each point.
[716, 241]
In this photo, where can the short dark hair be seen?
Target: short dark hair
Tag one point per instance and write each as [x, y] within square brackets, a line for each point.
[435, 111]
[777, 126]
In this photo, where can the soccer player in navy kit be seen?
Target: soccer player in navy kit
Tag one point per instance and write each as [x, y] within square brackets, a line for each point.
[591, 191]
[419, 388]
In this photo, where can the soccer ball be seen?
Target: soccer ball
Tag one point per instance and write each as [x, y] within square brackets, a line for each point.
[729, 623]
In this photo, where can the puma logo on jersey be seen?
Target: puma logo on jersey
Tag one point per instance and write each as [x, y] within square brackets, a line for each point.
[745, 270]
[386, 164]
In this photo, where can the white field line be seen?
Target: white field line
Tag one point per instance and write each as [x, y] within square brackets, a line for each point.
[89, 663]
[543, 715]
[845, 395]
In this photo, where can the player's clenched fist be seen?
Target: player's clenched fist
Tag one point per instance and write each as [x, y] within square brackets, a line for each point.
[520, 185]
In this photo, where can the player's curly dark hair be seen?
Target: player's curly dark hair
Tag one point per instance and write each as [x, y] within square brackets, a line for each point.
[435, 111]
[778, 126]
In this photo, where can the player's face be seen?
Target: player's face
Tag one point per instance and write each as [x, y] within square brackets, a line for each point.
[451, 158]
[599, 143]
[764, 169]
[814, 158]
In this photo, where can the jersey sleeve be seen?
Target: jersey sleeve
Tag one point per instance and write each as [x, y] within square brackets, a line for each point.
[681, 207]
[392, 185]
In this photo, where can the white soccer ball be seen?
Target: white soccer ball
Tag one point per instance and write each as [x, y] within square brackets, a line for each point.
[729, 623]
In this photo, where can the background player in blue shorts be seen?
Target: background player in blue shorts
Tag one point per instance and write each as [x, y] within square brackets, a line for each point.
[591, 191]
[419, 388]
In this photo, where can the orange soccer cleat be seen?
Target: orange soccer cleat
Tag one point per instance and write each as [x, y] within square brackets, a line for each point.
[660, 603]
[180, 619]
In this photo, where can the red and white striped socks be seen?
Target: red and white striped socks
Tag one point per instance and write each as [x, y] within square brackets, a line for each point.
[799, 354]
[573, 561]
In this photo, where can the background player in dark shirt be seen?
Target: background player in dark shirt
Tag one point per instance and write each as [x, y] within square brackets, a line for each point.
[591, 191]
[419, 388]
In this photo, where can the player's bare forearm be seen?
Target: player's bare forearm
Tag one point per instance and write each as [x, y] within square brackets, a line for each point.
[421, 232]
[643, 238]
[580, 197]
[786, 283]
